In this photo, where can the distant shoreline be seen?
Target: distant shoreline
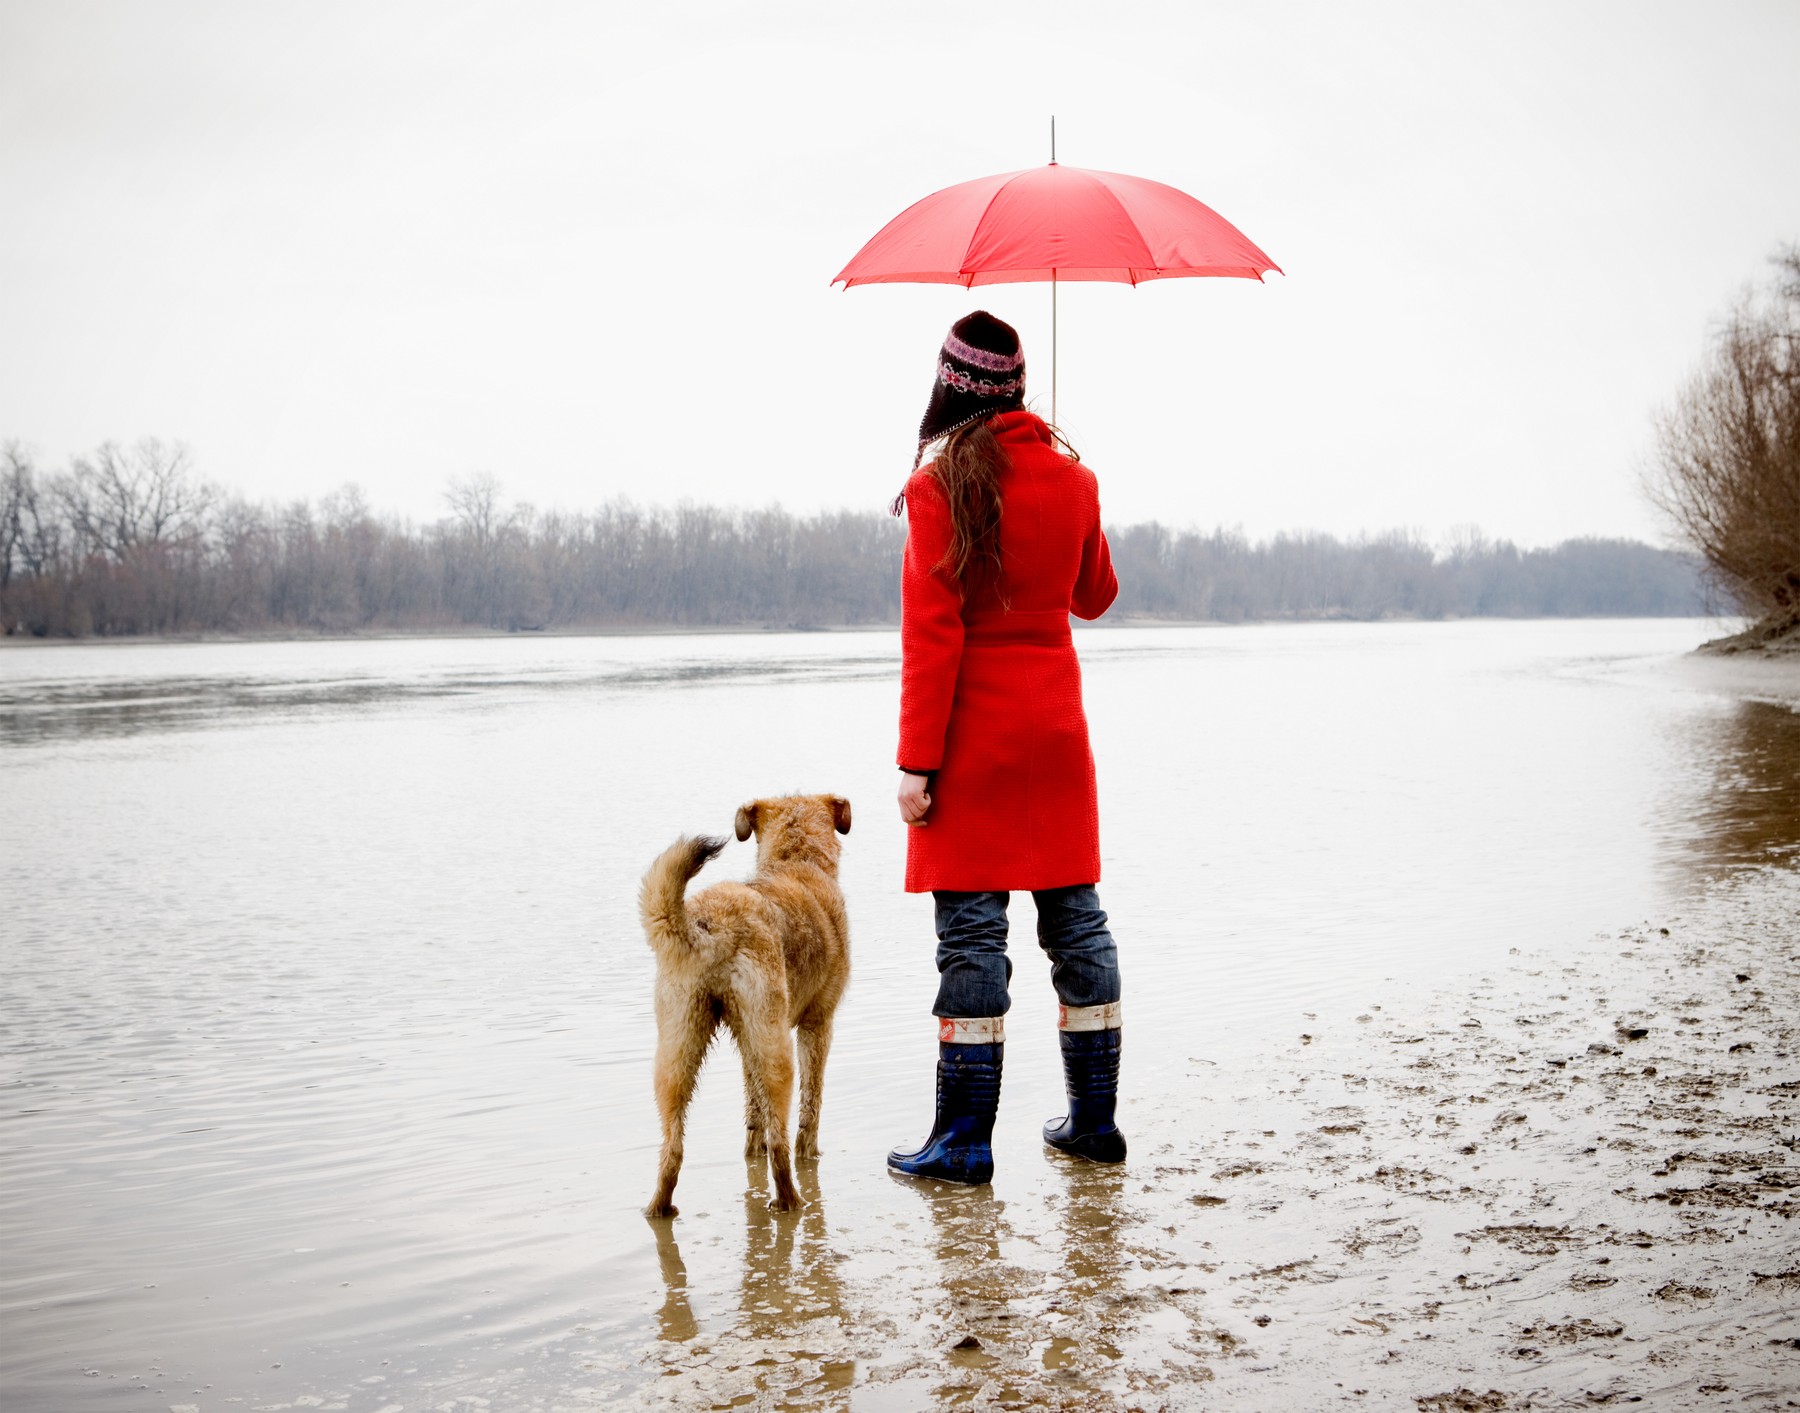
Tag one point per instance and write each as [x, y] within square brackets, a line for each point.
[9, 642]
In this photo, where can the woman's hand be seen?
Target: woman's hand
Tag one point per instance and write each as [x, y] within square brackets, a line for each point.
[914, 799]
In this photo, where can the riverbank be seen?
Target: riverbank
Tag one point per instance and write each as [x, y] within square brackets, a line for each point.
[1759, 640]
[1570, 1186]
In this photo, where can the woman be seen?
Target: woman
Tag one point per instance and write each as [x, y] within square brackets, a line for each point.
[1003, 543]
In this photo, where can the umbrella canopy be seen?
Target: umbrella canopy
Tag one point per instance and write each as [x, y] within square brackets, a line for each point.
[1055, 223]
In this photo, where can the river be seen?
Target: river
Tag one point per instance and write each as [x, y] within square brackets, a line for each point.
[325, 1031]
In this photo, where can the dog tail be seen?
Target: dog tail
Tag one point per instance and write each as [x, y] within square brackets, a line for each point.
[662, 902]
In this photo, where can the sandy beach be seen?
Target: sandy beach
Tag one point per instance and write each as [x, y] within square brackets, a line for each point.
[1570, 1187]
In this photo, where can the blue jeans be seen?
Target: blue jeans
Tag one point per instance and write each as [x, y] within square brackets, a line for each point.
[973, 967]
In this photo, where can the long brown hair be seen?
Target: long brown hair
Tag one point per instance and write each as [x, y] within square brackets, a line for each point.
[968, 468]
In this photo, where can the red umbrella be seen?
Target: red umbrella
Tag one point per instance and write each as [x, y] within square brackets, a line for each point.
[1054, 223]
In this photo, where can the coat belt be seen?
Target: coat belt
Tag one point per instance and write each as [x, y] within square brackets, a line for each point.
[1048, 627]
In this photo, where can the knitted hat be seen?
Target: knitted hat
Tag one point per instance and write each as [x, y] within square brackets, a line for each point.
[980, 371]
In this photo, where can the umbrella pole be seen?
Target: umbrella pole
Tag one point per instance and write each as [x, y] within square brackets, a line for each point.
[1052, 345]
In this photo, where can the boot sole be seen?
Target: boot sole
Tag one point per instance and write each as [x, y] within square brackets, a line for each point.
[1094, 1147]
[978, 1176]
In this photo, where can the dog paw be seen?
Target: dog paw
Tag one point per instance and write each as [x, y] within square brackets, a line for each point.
[662, 1209]
[793, 1202]
[806, 1146]
[754, 1147]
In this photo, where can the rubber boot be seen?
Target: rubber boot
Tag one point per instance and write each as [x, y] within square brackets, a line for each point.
[1091, 1076]
[960, 1148]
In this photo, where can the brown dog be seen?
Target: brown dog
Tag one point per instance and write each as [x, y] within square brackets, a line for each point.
[759, 958]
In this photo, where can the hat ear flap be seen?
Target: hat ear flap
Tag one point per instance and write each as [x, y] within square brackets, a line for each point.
[746, 821]
[840, 813]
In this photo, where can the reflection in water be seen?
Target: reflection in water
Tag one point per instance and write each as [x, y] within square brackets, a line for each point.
[675, 1320]
[790, 1305]
[1065, 1329]
[985, 1330]
[1056, 1311]
[35, 712]
[1750, 814]
[790, 1271]
[1102, 1312]
[1092, 1222]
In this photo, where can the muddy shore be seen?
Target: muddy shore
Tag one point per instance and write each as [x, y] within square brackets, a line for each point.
[1567, 1187]
[1768, 640]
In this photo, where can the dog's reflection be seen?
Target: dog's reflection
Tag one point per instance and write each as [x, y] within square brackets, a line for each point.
[789, 1274]
[675, 1320]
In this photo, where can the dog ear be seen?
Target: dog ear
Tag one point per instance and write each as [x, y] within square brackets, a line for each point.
[746, 821]
[840, 813]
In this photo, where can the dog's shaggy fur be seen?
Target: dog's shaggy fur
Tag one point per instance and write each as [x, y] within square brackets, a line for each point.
[758, 958]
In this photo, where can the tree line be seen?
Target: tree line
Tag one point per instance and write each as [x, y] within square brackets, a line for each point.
[130, 541]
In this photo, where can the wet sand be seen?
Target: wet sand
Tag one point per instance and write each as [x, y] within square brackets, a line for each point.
[1573, 1186]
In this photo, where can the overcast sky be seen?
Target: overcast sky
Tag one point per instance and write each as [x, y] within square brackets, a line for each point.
[587, 247]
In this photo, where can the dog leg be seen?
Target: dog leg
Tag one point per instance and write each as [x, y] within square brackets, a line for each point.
[813, 1039]
[774, 1063]
[756, 1121]
[680, 1047]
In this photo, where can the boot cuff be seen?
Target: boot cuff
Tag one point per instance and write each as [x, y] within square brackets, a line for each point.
[1106, 1017]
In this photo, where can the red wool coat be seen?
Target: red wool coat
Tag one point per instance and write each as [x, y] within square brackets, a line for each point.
[990, 696]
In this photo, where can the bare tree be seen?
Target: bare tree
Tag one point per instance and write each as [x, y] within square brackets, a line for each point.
[1727, 472]
[476, 504]
[121, 500]
[17, 483]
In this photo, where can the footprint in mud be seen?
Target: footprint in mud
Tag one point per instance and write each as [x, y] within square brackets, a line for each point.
[1571, 1332]
[1294, 1273]
[1528, 1239]
[1389, 1237]
[1683, 1294]
[1714, 1195]
[1464, 1400]
[1419, 1182]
